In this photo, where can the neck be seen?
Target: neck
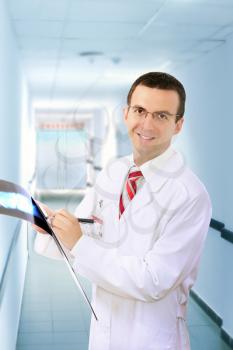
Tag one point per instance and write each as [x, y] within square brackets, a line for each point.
[140, 159]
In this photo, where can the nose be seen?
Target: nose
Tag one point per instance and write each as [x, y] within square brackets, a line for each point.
[148, 121]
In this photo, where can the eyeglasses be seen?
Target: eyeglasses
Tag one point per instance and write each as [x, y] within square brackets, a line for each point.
[140, 113]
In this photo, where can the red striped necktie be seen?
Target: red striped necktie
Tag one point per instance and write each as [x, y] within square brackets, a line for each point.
[130, 188]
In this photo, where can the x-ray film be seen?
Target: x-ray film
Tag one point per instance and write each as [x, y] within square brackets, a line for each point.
[16, 202]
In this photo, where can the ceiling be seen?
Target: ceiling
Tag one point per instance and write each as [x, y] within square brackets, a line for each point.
[71, 48]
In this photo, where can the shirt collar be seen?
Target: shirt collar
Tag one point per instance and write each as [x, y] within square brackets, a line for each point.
[158, 162]
[159, 169]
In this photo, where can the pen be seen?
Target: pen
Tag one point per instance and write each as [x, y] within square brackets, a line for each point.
[82, 220]
[86, 221]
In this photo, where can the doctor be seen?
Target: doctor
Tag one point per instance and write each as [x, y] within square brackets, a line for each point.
[151, 219]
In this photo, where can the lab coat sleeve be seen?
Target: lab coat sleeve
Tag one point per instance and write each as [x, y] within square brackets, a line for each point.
[45, 245]
[174, 255]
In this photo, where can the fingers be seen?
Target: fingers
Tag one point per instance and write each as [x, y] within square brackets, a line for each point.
[66, 227]
[46, 210]
[60, 221]
[64, 220]
[38, 229]
[64, 213]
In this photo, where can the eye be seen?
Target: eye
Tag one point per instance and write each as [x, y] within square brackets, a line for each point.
[139, 110]
[162, 116]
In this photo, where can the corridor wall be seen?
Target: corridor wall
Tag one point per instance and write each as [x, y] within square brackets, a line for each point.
[207, 144]
[14, 102]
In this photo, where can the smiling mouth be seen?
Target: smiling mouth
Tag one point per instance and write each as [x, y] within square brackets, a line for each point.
[144, 137]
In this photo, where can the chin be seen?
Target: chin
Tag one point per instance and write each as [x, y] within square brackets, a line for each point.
[150, 152]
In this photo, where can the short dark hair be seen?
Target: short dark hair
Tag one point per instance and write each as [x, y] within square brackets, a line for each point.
[163, 81]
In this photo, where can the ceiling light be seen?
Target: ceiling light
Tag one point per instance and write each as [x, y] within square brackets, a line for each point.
[91, 53]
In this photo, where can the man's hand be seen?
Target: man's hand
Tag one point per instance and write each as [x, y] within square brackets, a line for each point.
[66, 227]
[47, 212]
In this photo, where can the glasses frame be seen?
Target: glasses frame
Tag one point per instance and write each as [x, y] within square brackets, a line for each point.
[153, 114]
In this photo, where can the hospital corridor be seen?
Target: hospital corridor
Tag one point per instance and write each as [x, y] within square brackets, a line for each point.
[102, 101]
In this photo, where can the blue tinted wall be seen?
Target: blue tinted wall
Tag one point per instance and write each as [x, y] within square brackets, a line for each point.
[13, 98]
[207, 143]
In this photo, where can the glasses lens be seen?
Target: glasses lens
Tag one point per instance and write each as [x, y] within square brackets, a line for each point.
[138, 111]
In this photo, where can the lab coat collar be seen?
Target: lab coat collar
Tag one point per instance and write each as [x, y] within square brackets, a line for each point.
[157, 171]
[160, 169]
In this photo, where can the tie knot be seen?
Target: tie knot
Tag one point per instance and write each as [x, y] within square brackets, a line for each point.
[135, 173]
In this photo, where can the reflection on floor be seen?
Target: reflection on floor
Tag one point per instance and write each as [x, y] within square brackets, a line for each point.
[54, 316]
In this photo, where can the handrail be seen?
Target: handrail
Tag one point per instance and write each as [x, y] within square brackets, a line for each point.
[227, 235]
[12, 245]
[220, 226]
[217, 225]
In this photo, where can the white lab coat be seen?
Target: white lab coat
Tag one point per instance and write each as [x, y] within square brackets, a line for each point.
[143, 265]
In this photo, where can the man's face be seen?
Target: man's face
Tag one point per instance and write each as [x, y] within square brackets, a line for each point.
[152, 136]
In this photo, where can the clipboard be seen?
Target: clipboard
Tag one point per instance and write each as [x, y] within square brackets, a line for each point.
[17, 202]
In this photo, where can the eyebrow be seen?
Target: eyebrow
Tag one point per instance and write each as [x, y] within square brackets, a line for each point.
[165, 112]
[138, 106]
[160, 111]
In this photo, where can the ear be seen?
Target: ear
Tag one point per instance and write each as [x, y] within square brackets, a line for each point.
[179, 125]
[125, 113]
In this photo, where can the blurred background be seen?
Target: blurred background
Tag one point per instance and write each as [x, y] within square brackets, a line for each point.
[65, 69]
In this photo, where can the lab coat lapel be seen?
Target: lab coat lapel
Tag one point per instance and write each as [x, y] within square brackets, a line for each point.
[144, 197]
[157, 173]
[110, 185]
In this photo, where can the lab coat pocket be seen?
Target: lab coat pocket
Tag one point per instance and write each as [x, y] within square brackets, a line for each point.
[106, 213]
[99, 209]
